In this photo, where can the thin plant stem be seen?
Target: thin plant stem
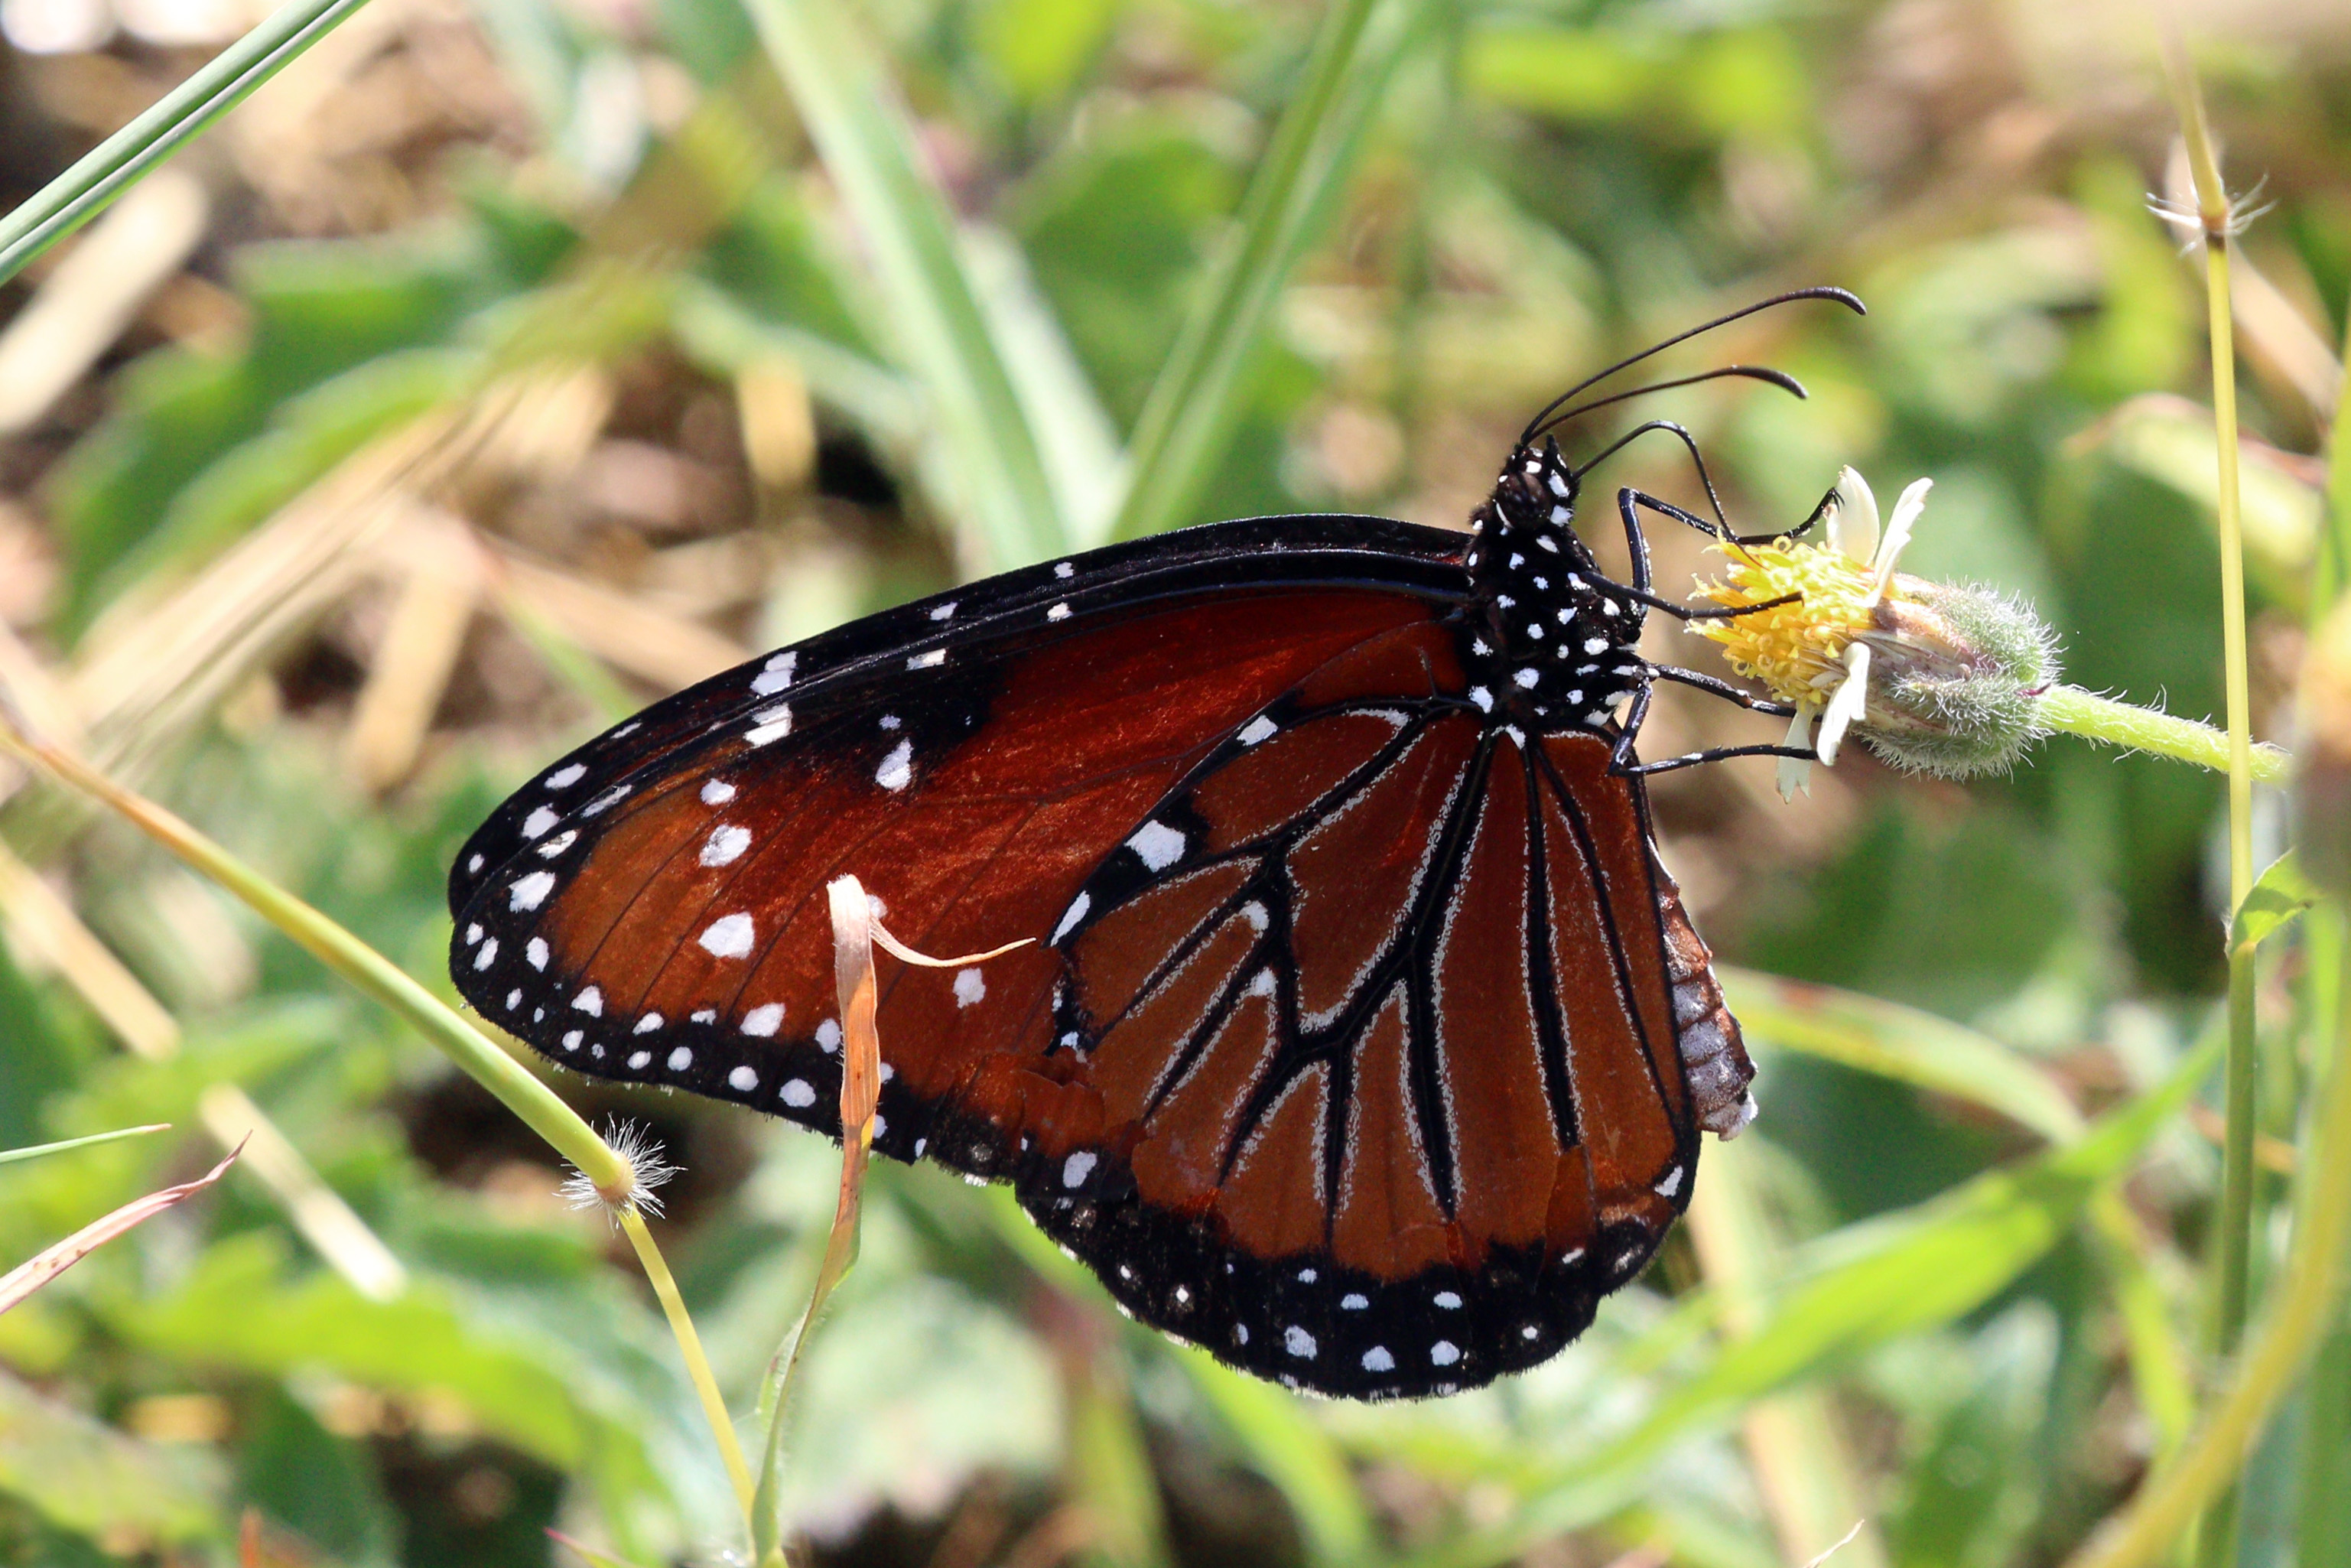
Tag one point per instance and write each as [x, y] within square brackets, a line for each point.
[853, 929]
[2232, 1248]
[697, 1364]
[2303, 1310]
[123, 159]
[2111, 723]
[609, 1171]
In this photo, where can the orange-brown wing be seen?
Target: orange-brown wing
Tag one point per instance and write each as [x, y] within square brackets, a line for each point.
[1381, 1045]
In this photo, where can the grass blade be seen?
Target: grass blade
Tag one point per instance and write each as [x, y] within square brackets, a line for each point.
[991, 468]
[1901, 1043]
[2232, 1245]
[1193, 406]
[10, 1157]
[1870, 1283]
[31, 1275]
[120, 161]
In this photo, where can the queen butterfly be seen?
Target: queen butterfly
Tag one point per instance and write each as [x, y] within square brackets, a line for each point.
[1364, 1041]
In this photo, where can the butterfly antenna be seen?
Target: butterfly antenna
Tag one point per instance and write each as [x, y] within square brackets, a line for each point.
[1845, 297]
[1780, 379]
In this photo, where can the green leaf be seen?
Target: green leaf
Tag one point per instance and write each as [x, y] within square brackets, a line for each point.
[2280, 893]
[82, 1476]
[1902, 1043]
[992, 474]
[1200, 393]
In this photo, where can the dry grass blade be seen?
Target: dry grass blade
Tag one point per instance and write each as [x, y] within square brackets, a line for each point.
[39, 1271]
[82, 308]
[664, 650]
[861, 1092]
[43, 927]
[317, 1211]
[440, 583]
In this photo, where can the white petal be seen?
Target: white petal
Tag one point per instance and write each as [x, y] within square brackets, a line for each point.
[1898, 534]
[1795, 772]
[1847, 706]
[1852, 518]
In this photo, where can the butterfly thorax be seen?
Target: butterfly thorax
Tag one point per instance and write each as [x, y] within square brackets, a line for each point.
[1553, 644]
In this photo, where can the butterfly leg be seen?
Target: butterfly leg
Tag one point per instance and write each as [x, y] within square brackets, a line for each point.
[1723, 689]
[1721, 526]
[1638, 589]
[1621, 759]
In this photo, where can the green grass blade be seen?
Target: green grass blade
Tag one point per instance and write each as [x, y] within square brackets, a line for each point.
[79, 194]
[10, 1157]
[991, 467]
[1284, 1445]
[1854, 1290]
[1195, 402]
[1901, 1043]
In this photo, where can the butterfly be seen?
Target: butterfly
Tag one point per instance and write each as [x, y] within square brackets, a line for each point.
[1364, 1038]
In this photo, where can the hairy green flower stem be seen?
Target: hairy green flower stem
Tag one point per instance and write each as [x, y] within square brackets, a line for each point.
[2111, 723]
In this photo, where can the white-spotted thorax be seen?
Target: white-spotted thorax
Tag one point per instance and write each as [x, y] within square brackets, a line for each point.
[1554, 642]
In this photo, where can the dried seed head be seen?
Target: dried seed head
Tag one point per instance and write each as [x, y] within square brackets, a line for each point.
[647, 1171]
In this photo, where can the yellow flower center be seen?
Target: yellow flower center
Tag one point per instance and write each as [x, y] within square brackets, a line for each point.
[1797, 649]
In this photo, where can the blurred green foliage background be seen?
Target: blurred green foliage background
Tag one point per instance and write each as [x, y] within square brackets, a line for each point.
[504, 365]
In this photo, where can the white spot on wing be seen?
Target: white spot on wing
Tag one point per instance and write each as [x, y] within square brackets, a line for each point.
[898, 769]
[608, 799]
[970, 986]
[539, 820]
[1297, 1343]
[1058, 612]
[742, 1080]
[647, 1024]
[1444, 1353]
[1077, 912]
[590, 1001]
[680, 1060]
[729, 938]
[1672, 1184]
[945, 611]
[558, 843]
[763, 1020]
[1377, 1359]
[827, 1036]
[640, 1060]
[797, 1094]
[776, 675]
[536, 951]
[1355, 1301]
[565, 778]
[1063, 569]
[773, 724]
[487, 955]
[1447, 1300]
[1076, 1168]
[718, 793]
[531, 891]
[1257, 729]
[930, 661]
[1159, 845]
[726, 845]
